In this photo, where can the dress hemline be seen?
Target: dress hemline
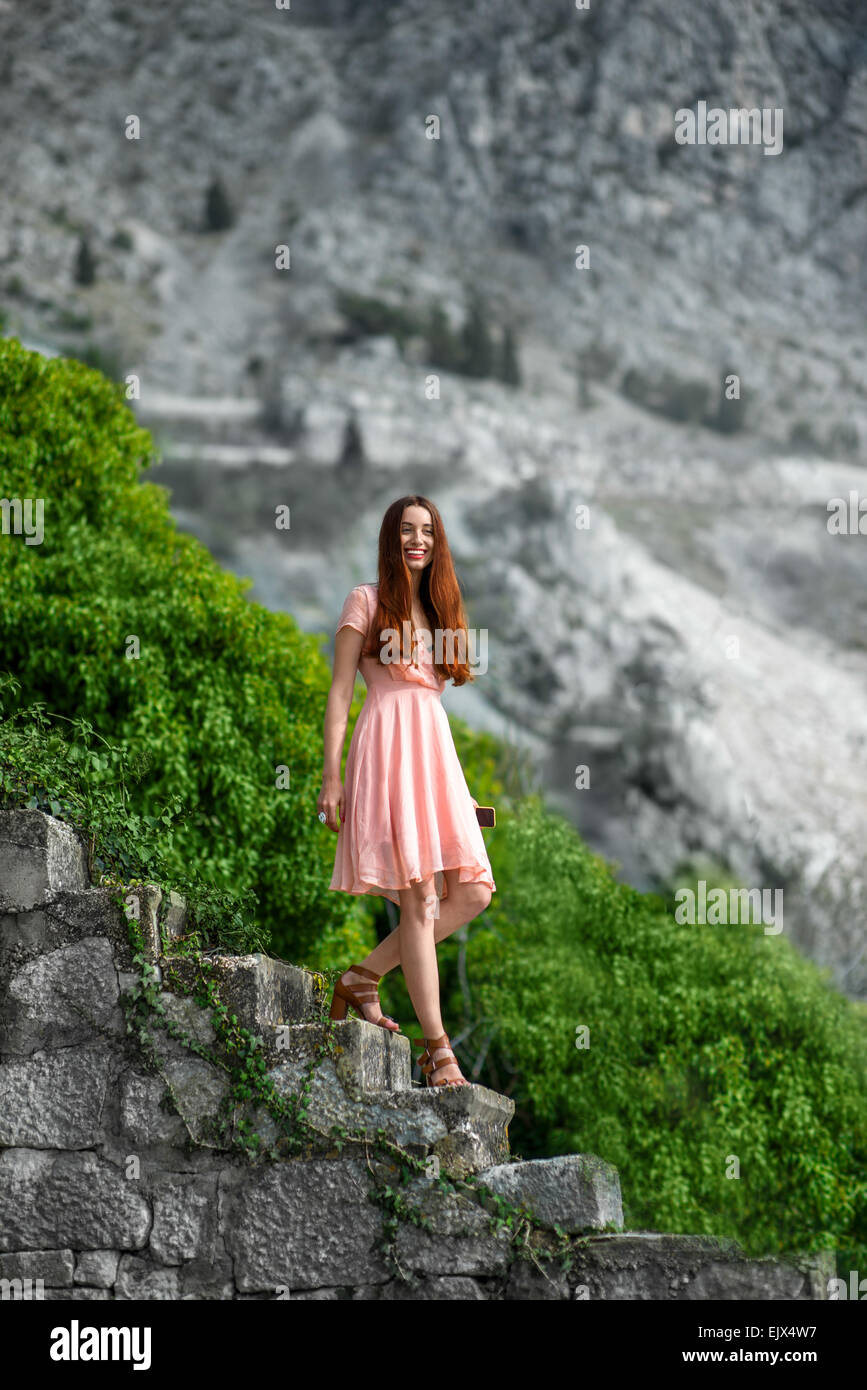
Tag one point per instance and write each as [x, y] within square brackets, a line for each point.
[384, 890]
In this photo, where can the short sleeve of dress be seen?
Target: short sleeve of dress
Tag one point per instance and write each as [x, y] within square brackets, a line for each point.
[355, 612]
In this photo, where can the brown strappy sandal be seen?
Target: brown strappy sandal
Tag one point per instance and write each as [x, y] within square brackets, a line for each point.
[365, 993]
[438, 1048]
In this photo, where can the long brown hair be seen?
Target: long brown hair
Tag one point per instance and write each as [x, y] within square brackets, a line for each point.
[438, 591]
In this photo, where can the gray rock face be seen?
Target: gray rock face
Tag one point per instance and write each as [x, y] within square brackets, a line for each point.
[116, 1181]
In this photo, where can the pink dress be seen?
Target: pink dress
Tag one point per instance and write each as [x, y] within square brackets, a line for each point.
[409, 812]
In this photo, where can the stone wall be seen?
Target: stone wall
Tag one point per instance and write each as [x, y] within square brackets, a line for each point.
[117, 1183]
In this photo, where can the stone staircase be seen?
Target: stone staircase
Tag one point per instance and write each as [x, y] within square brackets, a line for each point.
[79, 1104]
[368, 1084]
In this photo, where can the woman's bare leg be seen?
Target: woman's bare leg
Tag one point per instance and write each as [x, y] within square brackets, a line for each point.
[418, 954]
[464, 903]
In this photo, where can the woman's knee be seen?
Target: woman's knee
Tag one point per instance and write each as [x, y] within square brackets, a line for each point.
[477, 897]
[419, 904]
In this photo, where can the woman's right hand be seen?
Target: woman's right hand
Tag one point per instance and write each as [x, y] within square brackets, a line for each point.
[331, 800]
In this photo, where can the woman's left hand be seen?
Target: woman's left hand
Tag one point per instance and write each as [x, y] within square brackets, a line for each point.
[473, 800]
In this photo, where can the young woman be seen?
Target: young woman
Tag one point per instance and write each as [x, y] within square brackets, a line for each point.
[405, 822]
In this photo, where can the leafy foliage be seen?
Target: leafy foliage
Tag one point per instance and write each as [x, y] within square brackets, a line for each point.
[223, 693]
[705, 1042]
[52, 766]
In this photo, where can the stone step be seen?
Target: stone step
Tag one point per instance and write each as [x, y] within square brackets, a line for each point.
[368, 1058]
[262, 991]
[367, 1086]
[463, 1129]
[72, 917]
[43, 866]
[574, 1191]
[656, 1266]
[40, 857]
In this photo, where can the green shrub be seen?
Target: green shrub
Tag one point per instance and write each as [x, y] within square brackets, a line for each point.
[66, 769]
[705, 1041]
[372, 317]
[224, 691]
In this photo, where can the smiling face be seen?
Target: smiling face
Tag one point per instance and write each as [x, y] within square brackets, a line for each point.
[417, 538]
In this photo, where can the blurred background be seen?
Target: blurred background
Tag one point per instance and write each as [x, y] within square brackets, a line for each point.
[431, 325]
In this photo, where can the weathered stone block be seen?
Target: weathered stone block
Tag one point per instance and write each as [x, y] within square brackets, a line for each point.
[198, 1090]
[68, 1199]
[61, 998]
[143, 1120]
[139, 1278]
[54, 1099]
[78, 916]
[644, 1265]
[210, 1282]
[39, 857]
[770, 1279]
[528, 1282]
[189, 1016]
[573, 1191]
[53, 1267]
[302, 1225]
[261, 991]
[185, 1217]
[97, 1268]
[459, 1240]
[367, 1057]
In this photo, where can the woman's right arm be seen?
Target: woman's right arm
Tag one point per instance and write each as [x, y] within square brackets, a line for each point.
[347, 650]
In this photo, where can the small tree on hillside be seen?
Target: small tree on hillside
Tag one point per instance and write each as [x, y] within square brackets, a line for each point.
[352, 452]
[508, 367]
[479, 353]
[443, 348]
[85, 265]
[218, 209]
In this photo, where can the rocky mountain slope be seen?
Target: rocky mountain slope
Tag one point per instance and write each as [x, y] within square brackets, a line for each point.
[608, 646]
